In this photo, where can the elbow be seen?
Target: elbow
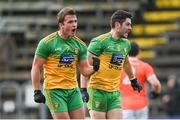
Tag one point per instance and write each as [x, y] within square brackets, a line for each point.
[85, 74]
[87, 71]
[157, 87]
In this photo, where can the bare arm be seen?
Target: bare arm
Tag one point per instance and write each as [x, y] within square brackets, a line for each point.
[85, 79]
[85, 68]
[36, 71]
[155, 84]
[128, 69]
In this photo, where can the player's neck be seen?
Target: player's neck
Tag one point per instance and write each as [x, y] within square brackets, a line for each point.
[114, 34]
[63, 34]
[133, 58]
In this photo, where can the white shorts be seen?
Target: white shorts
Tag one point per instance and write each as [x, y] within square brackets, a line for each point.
[135, 114]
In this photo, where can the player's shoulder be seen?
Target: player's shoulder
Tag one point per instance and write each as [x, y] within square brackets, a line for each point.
[144, 63]
[125, 40]
[102, 37]
[49, 38]
[77, 39]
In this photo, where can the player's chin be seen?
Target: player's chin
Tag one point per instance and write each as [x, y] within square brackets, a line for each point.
[125, 35]
[73, 34]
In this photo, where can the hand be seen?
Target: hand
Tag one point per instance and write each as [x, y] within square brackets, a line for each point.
[84, 94]
[136, 86]
[153, 95]
[39, 97]
[96, 63]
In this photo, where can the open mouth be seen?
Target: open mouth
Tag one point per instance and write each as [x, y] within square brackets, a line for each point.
[126, 33]
[74, 30]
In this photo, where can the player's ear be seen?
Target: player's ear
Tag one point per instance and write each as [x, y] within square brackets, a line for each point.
[60, 25]
[117, 24]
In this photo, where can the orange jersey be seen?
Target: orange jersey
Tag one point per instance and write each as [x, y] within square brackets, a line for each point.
[132, 99]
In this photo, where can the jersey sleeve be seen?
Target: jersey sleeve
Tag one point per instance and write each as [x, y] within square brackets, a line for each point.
[128, 44]
[149, 70]
[42, 50]
[95, 47]
[129, 47]
[83, 53]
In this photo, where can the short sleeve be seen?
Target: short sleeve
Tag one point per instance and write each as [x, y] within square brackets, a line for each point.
[95, 47]
[42, 50]
[149, 70]
[129, 47]
[83, 53]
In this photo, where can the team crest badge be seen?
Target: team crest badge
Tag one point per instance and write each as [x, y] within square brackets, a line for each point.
[56, 105]
[76, 51]
[98, 104]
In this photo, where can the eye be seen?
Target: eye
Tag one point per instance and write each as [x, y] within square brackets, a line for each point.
[129, 24]
[70, 21]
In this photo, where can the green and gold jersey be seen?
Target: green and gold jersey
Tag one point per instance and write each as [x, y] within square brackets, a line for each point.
[112, 53]
[61, 60]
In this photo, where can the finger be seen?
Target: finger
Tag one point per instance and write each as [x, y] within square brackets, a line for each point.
[136, 88]
[140, 89]
[84, 100]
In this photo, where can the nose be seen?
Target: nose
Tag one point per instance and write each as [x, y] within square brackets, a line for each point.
[130, 27]
[74, 24]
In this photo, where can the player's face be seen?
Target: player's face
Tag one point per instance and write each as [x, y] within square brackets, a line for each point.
[125, 28]
[69, 25]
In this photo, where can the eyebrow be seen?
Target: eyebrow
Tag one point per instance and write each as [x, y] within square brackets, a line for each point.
[129, 22]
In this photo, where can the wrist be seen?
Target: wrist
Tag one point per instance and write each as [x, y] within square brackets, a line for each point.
[83, 89]
[93, 71]
[155, 92]
[133, 78]
[37, 91]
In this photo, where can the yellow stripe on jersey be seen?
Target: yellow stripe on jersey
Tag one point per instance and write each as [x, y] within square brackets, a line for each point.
[50, 100]
[91, 97]
[50, 37]
[103, 36]
[79, 40]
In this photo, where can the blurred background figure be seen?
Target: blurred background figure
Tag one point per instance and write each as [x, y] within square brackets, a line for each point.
[135, 105]
[171, 97]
